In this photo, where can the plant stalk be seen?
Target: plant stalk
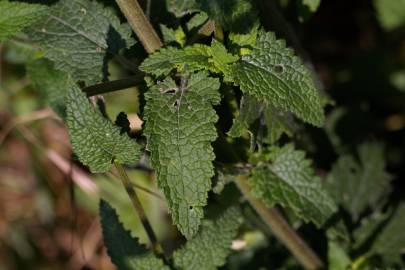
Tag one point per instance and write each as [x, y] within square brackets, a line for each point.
[112, 86]
[281, 229]
[157, 249]
[140, 24]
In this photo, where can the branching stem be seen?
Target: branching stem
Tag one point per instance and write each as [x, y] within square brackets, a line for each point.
[140, 24]
[281, 229]
[157, 249]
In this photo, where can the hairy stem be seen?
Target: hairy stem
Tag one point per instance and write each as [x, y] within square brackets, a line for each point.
[112, 86]
[157, 249]
[281, 229]
[140, 24]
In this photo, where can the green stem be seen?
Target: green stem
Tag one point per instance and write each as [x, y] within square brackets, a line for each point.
[112, 86]
[281, 229]
[140, 24]
[157, 249]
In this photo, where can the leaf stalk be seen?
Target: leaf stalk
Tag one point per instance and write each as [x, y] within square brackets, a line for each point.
[156, 247]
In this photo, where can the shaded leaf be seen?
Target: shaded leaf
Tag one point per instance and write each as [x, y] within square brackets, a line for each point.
[312, 4]
[125, 252]
[390, 243]
[211, 245]
[391, 13]
[234, 15]
[181, 7]
[274, 121]
[358, 184]
[338, 259]
[290, 181]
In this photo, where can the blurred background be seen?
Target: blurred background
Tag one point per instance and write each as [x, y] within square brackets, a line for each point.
[49, 203]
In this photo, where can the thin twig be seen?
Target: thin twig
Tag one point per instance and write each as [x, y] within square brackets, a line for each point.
[281, 229]
[112, 86]
[136, 186]
[140, 24]
[139, 209]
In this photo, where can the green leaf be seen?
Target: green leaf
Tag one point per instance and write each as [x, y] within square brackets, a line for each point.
[358, 184]
[312, 4]
[15, 16]
[234, 15]
[53, 84]
[275, 121]
[248, 39]
[191, 58]
[391, 13]
[369, 228]
[125, 252]
[211, 245]
[274, 74]
[390, 242]
[173, 36]
[290, 181]
[196, 21]
[180, 128]
[79, 36]
[181, 7]
[337, 257]
[95, 140]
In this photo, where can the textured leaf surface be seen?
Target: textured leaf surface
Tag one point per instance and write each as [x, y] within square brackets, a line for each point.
[234, 15]
[15, 16]
[77, 34]
[125, 252]
[390, 243]
[211, 245]
[276, 122]
[180, 128]
[360, 184]
[181, 7]
[53, 84]
[391, 13]
[273, 73]
[95, 140]
[173, 35]
[290, 181]
[191, 58]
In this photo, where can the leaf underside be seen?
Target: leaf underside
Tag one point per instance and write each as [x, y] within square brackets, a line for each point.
[360, 184]
[95, 140]
[179, 129]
